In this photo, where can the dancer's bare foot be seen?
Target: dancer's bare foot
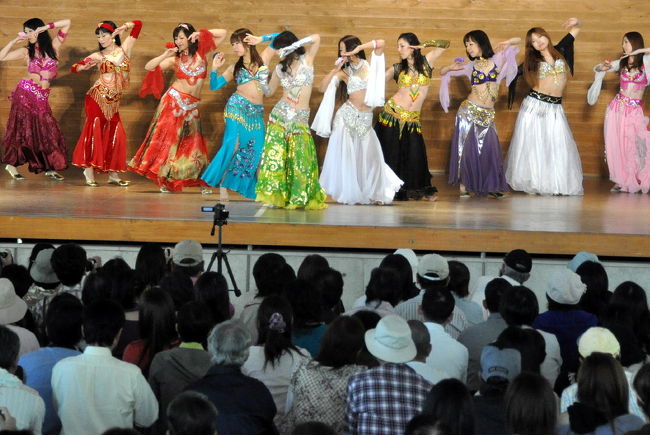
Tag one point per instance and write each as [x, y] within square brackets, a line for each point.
[433, 197]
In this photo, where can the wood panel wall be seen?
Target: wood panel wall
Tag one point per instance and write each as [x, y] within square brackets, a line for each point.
[604, 22]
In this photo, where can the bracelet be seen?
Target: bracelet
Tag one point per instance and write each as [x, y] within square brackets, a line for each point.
[50, 25]
[269, 37]
[439, 43]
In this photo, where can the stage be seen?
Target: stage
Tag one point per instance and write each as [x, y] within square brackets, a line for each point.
[610, 224]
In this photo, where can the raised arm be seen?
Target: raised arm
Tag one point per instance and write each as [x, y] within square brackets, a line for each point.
[274, 82]
[87, 63]
[313, 48]
[269, 51]
[377, 46]
[573, 25]
[219, 81]
[164, 61]
[134, 26]
[64, 28]
[503, 45]
[8, 54]
[218, 35]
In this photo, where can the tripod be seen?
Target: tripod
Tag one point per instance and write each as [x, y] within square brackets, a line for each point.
[220, 254]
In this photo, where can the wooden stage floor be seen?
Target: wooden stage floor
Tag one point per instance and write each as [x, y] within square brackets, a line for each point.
[610, 224]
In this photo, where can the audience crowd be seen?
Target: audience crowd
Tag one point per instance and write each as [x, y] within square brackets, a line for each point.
[92, 348]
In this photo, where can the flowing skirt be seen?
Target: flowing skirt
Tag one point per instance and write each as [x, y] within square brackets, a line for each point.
[354, 171]
[476, 159]
[400, 135]
[173, 153]
[288, 175]
[33, 136]
[235, 165]
[543, 157]
[627, 144]
[102, 144]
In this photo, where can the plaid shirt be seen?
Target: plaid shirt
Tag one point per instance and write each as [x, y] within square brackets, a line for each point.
[383, 400]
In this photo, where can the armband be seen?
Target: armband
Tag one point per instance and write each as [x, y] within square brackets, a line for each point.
[269, 37]
[438, 43]
[135, 31]
[50, 25]
[76, 66]
[283, 52]
[217, 81]
[62, 35]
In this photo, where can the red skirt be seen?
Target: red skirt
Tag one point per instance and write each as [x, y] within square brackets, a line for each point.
[33, 136]
[102, 144]
[173, 153]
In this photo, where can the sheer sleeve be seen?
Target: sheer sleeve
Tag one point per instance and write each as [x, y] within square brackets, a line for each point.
[446, 79]
[594, 89]
[206, 42]
[153, 83]
[565, 47]
[376, 90]
[506, 61]
[322, 123]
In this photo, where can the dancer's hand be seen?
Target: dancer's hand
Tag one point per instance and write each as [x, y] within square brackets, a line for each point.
[502, 46]
[416, 47]
[22, 36]
[571, 22]
[170, 51]
[120, 30]
[252, 39]
[353, 52]
[218, 60]
[194, 37]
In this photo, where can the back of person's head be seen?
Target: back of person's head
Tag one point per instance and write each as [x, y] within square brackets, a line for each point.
[564, 290]
[594, 275]
[642, 388]
[194, 322]
[369, 319]
[38, 247]
[517, 265]
[229, 343]
[97, 286]
[119, 431]
[69, 263]
[19, 277]
[271, 274]
[458, 278]
[9, 348]
[602, 384]
[437, 305]
[211, 289]
[401, 265]
[528, 342]
[498, 368]
[311, 266]
[329, 285]
[629, 304]
[102, 322]
[384, 285]
[313, 428]
[179, 286]
[433, 272]
[305, 303]
[519, 306]
[191, 413]
[530, 406]
[274, 328]
[421, 338]
[341, 343]
[150, 265]
[63, 320]
[493, 291]
[123, 283]
[157, 321]
[187, 258]
[449, 402]
[426, 424]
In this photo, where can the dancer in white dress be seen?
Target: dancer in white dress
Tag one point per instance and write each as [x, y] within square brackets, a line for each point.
[354, 171]
[543, 156]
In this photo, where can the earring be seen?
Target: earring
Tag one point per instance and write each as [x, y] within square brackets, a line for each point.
[113, 40]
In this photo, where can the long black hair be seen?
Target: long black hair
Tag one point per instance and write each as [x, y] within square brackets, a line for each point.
[285, 39]
[157, 323]
[43, 40]
[256, 60]
[480, 38]
[419, 62]
[99, 30]
[187, 30]
[274, 327]
[211, 289]
[351, 42]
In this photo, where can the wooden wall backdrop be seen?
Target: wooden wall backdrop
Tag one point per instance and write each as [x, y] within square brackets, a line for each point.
[604, 22]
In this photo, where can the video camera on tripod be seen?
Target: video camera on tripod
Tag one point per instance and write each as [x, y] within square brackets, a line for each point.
[220, 219]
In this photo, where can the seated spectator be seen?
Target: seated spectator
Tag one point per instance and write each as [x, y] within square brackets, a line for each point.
[447, 355]
[528, 342]
[450, 403]
[272, 274]
[602, 405]
[275, 358]
[329, 286]
[308, 329]
[19, 277]
[564, 317]
[597, 295]
[44, 287]
[642, 389]
[401, 265]
[426, 424]
[187, 257]
[173, 370]
[179, 286]
[459, 286]
[38, 247]
[531, 406]
[382, 293]
[191, 413]
[422, 339]
[311, 266]
[369, 319]
[383, 400]
[244, 404]
[318, 388]
[12, 311]
[69, 262]
[432, 273]
[157, 329]
[63, 329]
[498, 368]
[600, 340]
[476, 337]
[212, 290]
[121, 431]
[519, 307]
[94, 391]
[313, 428]
[22, 402]
[150, 266]
[580, 258]
[97, 286]
[123, 291]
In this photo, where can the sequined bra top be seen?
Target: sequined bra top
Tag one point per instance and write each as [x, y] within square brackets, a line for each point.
[118, 64]
[639, 80]
[304, 76]
[479, 77]
[44, 67]
[546, 70]
[355, 81]
[244, 76]
[184, 70]
[406, 80]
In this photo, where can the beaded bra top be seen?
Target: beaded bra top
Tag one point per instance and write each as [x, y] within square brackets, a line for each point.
[479, 77]
[355, 81]
[304, 76]
[116, 64]
[244, 76]
[546, 70]
[639, 80]
[184, 70]
[45, 67]
[406, 80]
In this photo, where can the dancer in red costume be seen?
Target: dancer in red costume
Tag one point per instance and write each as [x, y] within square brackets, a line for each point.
[102, 144]
[33, 136]
[174, 153]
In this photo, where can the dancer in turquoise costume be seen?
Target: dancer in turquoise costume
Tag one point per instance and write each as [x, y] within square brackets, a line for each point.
[235, 165]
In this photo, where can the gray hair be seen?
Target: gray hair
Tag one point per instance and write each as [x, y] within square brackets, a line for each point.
[9, 348]
[520, 277]
[229, 343]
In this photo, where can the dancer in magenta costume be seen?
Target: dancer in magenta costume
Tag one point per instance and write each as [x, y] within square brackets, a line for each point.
[33, 136]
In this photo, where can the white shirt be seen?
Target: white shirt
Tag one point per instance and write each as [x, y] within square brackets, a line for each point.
[550, 368]
[410, 310]
[447, 355]
[94, 392]
[478, 295]
[23, 403]
[276, 377]
[382, 308]
[428, 372]
[248, 316]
